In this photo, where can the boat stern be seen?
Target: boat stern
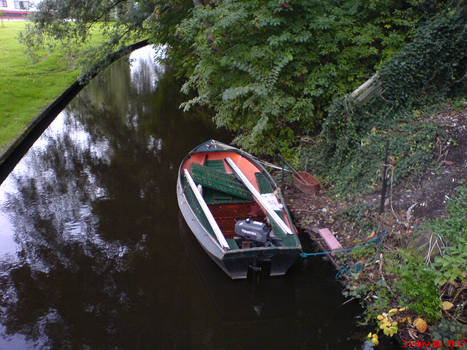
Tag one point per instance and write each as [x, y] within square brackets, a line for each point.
[273, 262]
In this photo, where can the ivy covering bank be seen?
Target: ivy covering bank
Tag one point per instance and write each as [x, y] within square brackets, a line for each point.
[430, 69]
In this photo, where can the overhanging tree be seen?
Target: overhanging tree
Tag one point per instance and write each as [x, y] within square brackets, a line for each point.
[269, 69]
[117, 23]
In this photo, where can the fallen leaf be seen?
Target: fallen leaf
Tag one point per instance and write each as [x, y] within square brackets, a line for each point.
[447, 305]
[421, 325]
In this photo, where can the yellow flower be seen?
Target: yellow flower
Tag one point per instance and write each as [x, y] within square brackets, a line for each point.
[402, 309]
[380, 317]
[392, 312]
[374, 339]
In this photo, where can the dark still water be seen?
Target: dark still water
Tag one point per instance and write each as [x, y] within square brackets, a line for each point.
[94, 253]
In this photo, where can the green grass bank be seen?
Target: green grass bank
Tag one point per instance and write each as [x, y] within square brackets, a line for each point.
[27, 86]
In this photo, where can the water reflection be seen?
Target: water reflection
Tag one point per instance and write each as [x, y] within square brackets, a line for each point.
[91, 209]
[145, 67]
[100, 258]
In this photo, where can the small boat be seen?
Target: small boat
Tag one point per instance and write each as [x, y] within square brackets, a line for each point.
[236, 211]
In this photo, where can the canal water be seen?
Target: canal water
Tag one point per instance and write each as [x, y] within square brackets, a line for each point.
[94, 253]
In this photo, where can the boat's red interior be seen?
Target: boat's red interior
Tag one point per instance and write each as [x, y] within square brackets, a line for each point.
[227, 214]
[244, 164]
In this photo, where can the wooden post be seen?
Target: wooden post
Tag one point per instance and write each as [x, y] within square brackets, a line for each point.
[385, 175]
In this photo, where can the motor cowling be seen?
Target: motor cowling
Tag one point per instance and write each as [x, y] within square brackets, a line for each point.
[252, 230]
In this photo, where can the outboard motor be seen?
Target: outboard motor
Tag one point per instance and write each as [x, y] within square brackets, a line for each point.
[256, 232]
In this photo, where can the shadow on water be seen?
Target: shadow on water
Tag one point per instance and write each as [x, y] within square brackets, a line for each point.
[96, 254]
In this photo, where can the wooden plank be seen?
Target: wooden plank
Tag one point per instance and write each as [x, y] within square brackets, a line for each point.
[258, 197]
[367, 89]
[219, 181]
[329, 238]
[207, 212]
[312, 233]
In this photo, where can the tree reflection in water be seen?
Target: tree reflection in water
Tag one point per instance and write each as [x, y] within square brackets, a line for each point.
[94, 215]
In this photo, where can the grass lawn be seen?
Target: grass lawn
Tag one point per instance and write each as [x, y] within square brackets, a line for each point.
[27, 87]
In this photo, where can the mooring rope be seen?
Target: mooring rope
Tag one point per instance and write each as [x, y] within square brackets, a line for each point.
[378, 240]
[345, 270]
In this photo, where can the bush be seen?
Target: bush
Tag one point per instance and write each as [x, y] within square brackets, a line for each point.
[418, 283]
[350, 149]
[270, 69]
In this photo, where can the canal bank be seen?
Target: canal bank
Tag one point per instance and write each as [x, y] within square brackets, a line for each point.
[34, 84]
[16, 150]
[27, 86]
[421, 218]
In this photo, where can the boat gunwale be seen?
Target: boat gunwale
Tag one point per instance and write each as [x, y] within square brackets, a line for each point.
[250, 158]
[193, 214]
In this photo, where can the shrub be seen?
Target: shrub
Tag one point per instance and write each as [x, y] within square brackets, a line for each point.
[351, 145]
[449, 330]
[270, 69]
